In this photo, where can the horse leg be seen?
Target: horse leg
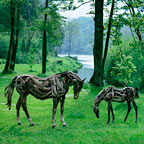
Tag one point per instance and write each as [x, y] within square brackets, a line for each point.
[18, 105]
[109, 107]
[136, 109]
[55, 104]
[62, 100]
[24, 106]
[129, 109]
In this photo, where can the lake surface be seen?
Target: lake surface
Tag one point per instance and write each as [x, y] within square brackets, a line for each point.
[87, 70]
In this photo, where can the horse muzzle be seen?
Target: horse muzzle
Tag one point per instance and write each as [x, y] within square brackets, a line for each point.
[76, 96]
[96, 113]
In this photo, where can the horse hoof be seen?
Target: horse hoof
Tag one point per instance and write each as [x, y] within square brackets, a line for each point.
[32, 124]
[19, 123]
[53, 126]
[64, 125]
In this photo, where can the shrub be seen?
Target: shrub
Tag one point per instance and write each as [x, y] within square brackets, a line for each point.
[124, 65]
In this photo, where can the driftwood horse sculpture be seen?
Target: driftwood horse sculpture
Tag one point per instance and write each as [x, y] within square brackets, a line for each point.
[55, 86]
[110, 94]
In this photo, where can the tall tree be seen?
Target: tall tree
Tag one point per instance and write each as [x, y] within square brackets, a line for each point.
[108, 36]
[97, 77]
[15, 46]
[11, 44]
[44, 49]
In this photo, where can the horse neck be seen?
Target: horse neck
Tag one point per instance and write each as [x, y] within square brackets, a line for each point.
[99, 98]
[67, 83]
[97, 102]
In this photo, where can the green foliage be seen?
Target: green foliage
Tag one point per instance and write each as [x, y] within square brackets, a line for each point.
[4, 40]
[133, 14]
[123, 69]
[31, 58]
[4, 16]
[2, 61]
[125, 66]
[31, 27]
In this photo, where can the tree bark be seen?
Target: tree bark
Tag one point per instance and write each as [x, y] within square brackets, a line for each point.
[14, 50]
[108, 36]
[12, 13]
[97, 77]
[28, 24]
[44, 50]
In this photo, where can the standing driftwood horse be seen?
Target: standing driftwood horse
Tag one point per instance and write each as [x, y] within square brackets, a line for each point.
[55, 86]
[110, 94]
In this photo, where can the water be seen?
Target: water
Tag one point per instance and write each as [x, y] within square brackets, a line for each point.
[87, 70]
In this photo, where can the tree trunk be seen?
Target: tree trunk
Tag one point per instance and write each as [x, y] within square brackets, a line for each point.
[97, 77]
[28, 24]
[137, 29]
[44, 50]
[133, 14]
[12, 13]
[14, 50]
[108, 36]
[69, 46]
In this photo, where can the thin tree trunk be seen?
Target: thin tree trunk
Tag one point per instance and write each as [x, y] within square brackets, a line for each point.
[44, 50]
[97, 77]
[28, 23]
[108, 35]
[137, 29]
[69, 42]
[12, 13]
[133, 14]
[12, 66]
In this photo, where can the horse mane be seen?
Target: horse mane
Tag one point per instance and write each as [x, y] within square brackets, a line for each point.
[70, 74]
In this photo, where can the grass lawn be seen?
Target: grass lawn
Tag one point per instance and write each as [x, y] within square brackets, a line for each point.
[82, 125]
[54, 65]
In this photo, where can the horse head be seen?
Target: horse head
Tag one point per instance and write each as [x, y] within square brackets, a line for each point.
[96, 111]
[77, 87]
[70, 79]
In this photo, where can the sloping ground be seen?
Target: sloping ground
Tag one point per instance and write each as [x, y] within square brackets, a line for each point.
[82, 125]
[54, 65]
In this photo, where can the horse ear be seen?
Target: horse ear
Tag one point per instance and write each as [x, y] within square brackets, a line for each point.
[83, 79]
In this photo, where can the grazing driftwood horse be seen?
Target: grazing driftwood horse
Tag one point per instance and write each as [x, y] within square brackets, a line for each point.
[55, 86]
[110, 94]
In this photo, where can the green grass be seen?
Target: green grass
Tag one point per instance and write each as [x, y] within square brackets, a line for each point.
[52, 67]
[82, 125]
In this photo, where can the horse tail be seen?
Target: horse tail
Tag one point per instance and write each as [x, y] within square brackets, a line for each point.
[9, 92]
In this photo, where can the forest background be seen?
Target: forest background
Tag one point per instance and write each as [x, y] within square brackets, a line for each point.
[33, 29]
